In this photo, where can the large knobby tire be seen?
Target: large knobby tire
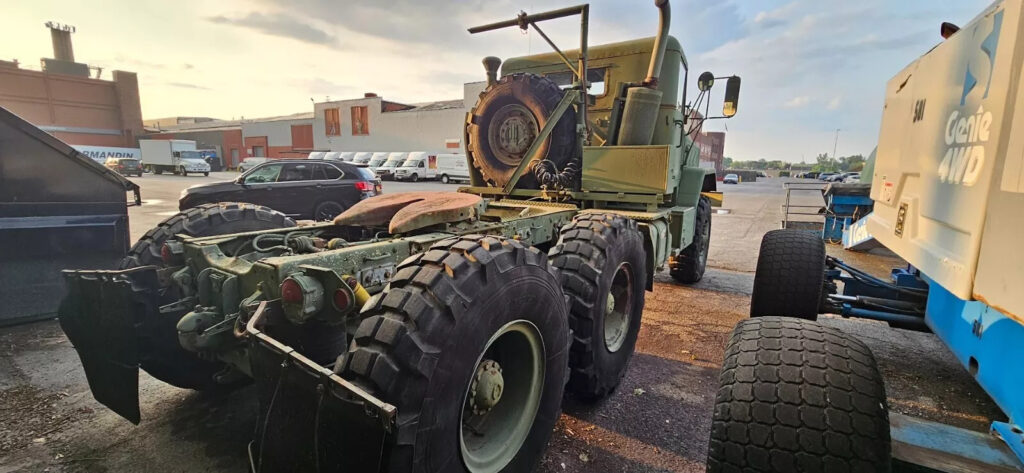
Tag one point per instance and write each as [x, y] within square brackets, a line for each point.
[421, 344]
[790, 277]
[507, 118]
[603, 269]
[796, 396]
[164, 358]
[689, 266]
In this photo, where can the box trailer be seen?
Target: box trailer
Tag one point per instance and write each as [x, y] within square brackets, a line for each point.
[173, 156]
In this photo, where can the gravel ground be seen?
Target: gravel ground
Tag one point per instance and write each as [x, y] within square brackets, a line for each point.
[657, 421]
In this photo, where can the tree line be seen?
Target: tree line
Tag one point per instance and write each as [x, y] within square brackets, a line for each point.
[823, 163]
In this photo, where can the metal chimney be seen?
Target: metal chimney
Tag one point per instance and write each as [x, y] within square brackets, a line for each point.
[61, 36]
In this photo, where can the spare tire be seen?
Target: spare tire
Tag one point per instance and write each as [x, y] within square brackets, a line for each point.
[507, 119]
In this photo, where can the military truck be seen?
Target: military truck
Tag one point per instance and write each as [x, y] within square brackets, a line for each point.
[432, 331]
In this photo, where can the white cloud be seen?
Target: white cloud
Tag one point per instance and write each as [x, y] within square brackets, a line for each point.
[797, 102]
[835, 102]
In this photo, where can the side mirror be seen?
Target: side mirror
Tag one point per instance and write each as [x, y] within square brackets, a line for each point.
[240, 180]
[705, 81]
[732, 96]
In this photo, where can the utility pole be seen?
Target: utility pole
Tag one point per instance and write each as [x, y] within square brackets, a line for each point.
[835, 144]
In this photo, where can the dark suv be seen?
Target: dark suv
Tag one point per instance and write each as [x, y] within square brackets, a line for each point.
[124, 166]
[300, 188]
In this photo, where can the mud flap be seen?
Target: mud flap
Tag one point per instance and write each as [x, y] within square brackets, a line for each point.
[310, 418]
[102, 315]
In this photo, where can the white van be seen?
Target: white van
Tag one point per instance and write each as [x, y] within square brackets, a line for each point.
[316, 155]
[362, 157]
[331, 155]
[452, 167]
[387, 170]
[376, 161]
[346, 156]
[419, 165]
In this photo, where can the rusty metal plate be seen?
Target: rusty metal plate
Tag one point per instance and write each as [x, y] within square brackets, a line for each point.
[409, 211]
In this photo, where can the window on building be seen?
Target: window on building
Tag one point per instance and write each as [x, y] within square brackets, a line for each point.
[258, 151]
[332, 121]
[360, 121]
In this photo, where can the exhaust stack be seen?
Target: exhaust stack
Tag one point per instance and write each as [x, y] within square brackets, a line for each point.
[660, 43]
[640, 110]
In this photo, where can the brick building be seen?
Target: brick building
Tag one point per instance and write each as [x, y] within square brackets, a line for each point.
[65, 101]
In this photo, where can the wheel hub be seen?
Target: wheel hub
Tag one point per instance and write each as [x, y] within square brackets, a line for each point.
[512, 130]
[501, 400]
[618, 307]
[487, 387]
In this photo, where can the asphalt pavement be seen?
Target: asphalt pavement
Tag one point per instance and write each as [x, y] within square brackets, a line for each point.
[657, 421]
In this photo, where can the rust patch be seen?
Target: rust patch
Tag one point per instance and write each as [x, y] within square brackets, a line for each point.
[407, 211]
[434, 208]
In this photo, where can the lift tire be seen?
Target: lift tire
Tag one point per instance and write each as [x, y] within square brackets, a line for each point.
[796, 396]
[690, 264]
[419, 341]
[166, 360]
[790, 277]
[589, 254]
[525, 100]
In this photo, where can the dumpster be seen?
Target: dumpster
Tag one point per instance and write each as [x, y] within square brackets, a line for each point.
[58, 210]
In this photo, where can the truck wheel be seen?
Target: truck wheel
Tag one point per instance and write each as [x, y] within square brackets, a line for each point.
[798, 396]
[414, 177]
[207, 174]
[790, 277]
[603, 270]
[444, 178]
[158, 170]
[691, 262]
[468, 341]
[182, 171]
[167, 360]
[507, 118]
[326, 211]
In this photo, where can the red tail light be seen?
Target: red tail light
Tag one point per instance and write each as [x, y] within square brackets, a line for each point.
[291, 291]
[342, 301]
[364, 186]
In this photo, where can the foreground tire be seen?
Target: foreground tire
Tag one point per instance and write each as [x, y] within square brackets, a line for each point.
[166, 359]
[507, 119]
[603, 270]
[796, 396]
[444, 178]
[790, 277]
[693, 260]
[468, 311]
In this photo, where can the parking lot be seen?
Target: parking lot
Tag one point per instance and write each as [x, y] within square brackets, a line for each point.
[657, 421]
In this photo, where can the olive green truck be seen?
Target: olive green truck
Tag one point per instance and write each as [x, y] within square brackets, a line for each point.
[432, 331]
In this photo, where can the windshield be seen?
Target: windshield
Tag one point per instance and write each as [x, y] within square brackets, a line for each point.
[190, 155]
[375, 162]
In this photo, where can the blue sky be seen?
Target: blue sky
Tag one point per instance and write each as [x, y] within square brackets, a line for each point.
[808, 67]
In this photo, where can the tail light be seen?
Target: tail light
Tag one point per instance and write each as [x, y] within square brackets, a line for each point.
[166, 254]
[364, 186]
[342, 300]
[291, 292]
[302, 297]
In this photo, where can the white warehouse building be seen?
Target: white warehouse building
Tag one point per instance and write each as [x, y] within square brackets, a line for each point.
[374, 124]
